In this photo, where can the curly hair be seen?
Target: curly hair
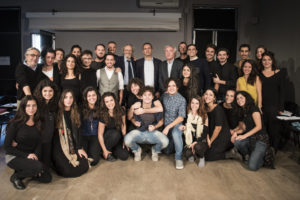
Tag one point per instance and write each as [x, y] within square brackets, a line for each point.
[272, 56]
[64, 69]
[193, 82]
[214, 91]
[136, 81]
[75, 117]
[252, 76]
[52, 104]
[201, 111]
[118, 112]
[249, 103]
[21, 116]
[86, 110]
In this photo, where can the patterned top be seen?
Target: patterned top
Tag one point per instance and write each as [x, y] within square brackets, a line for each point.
[174, 106]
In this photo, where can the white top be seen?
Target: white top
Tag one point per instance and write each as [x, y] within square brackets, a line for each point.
[149, 72]
[49, 74]
[170, 64]
[109, 73]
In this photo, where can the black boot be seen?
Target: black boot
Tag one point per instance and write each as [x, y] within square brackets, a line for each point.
[17, 182]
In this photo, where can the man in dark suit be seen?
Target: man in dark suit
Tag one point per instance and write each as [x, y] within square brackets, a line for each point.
[147, 68]
[170, 68]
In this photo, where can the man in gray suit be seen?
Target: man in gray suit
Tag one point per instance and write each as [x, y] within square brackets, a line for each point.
[170, 68]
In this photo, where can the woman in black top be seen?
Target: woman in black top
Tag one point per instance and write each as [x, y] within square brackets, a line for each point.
[230, 108]
[272, 97]
[89, 123]
[47, 94]
[112, 128]
[250, 137]
[260, 49]
[218, 129]
[88, 75]
[49, 70]
[69, 158]
[70, 78]
[22, 145]
[189, 82]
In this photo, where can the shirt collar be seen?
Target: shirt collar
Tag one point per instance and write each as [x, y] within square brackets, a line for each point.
[33, 68]
[192, 59]
[171, 62]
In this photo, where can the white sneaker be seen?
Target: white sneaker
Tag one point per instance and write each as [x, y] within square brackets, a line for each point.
[138, 155]
[154, 155]
[201, 162]
[179, 164]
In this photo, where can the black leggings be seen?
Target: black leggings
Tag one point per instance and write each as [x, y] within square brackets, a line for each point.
[200, 149]
[113, 141]
[273, 126]
[46, 156]
[92, 147]
[25, 167]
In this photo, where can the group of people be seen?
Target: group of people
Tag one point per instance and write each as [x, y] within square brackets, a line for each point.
[73, 109]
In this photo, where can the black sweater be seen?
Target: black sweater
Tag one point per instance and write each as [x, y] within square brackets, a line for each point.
[201, 68]
[88, 78]
[27, 137]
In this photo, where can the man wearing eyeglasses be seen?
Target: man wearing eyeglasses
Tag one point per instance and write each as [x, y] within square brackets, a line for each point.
[26, 73]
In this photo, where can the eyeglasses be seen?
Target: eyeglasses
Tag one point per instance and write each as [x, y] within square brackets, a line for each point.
[33, 55]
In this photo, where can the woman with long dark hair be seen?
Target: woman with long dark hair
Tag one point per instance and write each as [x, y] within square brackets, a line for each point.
[218, 129]
[46, 94]
[272, 96]
[250, 81]
[70, 75]
[230, 108]
[89, 124]
[195, 131]
[250, 137]
[189, 82]
[69, 158]
[112, 128]
[22, 144]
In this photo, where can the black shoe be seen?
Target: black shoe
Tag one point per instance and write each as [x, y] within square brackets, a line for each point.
[233, 154]
[110, 158]
[17, 182]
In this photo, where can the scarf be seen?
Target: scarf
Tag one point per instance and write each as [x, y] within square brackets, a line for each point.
[189, 128]
[65, 141]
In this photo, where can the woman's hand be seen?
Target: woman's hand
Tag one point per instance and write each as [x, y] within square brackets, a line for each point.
[208, 142]
[32, 156]
[151, 128]
[182, 127]
[81, 153]
[137, 124]
[192, 147]
[105, 154]
[241, 137]
[233, 138]
[124, 146]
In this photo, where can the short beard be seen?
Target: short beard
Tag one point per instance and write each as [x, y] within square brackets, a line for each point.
[100, 58]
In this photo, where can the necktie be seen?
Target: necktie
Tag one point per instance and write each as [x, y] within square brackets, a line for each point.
[130, 74]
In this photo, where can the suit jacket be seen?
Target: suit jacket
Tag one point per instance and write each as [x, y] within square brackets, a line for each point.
[121, 63]
[163, 73]
[140, 71]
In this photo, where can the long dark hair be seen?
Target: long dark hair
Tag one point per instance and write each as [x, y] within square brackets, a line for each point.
[117, 113]
[193, 82]
[52, 104]
[215, 94]
[259, 47]
[249, 104]
[252, 76]
[201, 111]
[75, 117]
[86, 110]
[21, 116]
[271, 55]
[64, 69]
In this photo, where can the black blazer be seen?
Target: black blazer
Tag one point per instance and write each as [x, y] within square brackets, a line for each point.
[42, 76]
[163, 73]
[121, 63]
[140, 71]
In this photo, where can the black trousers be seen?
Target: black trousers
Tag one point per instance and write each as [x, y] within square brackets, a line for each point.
[25, 167]
[273, 126]
[113, 141]
[92, 148]
[46, 156]
[200, 149]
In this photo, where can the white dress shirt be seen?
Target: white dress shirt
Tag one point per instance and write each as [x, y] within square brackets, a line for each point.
[149, 72]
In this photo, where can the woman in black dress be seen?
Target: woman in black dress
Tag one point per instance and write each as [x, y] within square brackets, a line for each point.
[272, 97]
[22, 145]
[219, 133]
[69, 158]
[189, 82]
[230, 108]
[112, 128]
[49, 70]
[46, 94]
[250, 137]
[70, 78]
[90, 120]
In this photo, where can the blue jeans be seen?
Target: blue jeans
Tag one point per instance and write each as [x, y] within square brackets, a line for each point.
[135, 137]
[256, 159]
[175, 142]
